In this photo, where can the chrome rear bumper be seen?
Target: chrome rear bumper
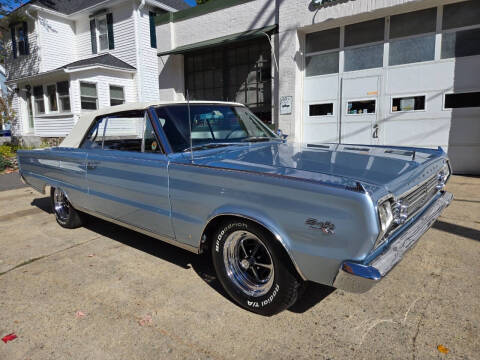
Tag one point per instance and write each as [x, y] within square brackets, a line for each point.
[359, 277]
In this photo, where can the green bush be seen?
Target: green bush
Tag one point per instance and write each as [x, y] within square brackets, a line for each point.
[4, 162]
[7, 150]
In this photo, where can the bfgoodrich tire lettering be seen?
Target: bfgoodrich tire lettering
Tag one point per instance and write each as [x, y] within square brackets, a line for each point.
[65, 214]
[253, 268]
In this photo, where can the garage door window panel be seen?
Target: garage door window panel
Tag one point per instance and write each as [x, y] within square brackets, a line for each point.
[322, 40]
[462, 100]
[412, 50]
[325, 109]
[322, 64]
[408, 103]
[361, 107]
[461, 14]
[461, 43]
[364, 45]
[361, 58]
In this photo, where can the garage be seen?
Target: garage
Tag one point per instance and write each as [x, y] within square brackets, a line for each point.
[408, 79]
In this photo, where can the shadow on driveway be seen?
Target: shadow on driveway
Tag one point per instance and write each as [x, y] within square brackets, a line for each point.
[201, 264]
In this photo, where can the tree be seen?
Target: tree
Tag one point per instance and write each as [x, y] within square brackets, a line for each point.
[6, 6]
[7, 114]
[200, 2]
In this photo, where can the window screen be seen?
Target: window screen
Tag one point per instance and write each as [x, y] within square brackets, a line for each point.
[321, 64]
[365, 32]
[52, 97]
[323, 40]
[462, 100]
[461, 43]
[367, 57]
[461, 14]
[117, 97]
[411, 50]
[88, 96]
[413, 23]
[39, 100]
[64, 95]
[411, 103]
[321, 109]
[361, 107]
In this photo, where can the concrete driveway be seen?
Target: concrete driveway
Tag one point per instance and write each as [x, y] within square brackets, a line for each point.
[143, 299]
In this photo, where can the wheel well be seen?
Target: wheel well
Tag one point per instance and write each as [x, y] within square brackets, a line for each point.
[208, 233]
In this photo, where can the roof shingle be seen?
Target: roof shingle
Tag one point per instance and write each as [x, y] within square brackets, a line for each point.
[105, 60]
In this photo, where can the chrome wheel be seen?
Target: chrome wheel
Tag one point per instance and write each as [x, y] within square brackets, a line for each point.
[248, 263]
[61, 205]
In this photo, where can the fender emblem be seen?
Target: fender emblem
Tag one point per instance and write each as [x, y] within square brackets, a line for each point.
[326, 227]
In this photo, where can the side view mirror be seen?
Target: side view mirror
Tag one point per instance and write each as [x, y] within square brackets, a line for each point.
[281, 134]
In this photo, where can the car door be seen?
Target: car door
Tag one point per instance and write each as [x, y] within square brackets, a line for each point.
[127, 172]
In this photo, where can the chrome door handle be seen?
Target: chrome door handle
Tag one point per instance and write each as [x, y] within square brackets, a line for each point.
[92, 165]
[375, 132]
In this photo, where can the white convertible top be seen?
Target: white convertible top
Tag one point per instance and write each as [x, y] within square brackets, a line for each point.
[75, 137]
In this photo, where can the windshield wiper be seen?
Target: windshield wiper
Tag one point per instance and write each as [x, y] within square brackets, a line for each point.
[257, 139]
[206, 146]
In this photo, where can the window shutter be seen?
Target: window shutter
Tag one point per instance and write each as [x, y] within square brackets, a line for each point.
[25, 34]
[93, 36]
[111, 42]
[14, 42]
[153, 34]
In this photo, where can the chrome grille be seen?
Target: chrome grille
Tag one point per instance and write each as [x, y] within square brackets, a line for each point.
[420, 196]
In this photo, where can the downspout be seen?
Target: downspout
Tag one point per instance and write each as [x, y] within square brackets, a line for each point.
[142, 5]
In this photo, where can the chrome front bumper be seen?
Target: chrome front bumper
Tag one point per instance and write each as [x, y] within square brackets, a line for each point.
[359, 277]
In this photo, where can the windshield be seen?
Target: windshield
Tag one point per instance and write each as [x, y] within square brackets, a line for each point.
[211, 124]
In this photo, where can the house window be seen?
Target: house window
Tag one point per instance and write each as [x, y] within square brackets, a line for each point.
[39, 100]
[462, 100]
[88, 96]
[52, 97]
[63, 96]
[21, 37]
[102, 33]
[153, 34]
[117, 96]
[409, 103]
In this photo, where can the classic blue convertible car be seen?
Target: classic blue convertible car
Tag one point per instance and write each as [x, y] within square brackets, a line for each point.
[210, 176]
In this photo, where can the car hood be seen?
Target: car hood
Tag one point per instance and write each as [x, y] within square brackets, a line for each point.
[375, 165]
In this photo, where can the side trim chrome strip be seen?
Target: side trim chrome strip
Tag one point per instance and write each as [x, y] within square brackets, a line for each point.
[166, 239]
[277, 236]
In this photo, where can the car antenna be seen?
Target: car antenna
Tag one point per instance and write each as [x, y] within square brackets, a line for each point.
[190, 126]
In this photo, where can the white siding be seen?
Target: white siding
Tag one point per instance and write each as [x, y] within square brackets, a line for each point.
[53, 126]
[103, 79]
[57, 42]
[24, 65]
[123, 32]
[148, 60]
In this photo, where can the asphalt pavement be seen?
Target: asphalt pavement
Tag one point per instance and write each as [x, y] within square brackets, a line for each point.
[105, 292]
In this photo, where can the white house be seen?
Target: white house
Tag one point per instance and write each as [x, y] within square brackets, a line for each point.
[392, 72]
[67, 57]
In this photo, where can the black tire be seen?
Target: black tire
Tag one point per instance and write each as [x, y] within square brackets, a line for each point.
[65, 214]
[252, 286]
